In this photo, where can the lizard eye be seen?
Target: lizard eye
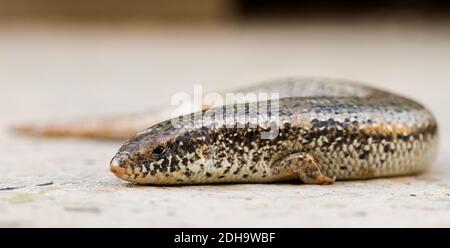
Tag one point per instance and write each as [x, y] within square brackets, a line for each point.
[159, 151]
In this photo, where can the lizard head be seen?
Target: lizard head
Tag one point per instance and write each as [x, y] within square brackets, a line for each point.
[160, 154]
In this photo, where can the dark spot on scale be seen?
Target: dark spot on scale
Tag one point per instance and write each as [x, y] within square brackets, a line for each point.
[255, 159]
[245, 176]
[146, 164]
[165, 162]
[207, 174]
[221, 155]
[343, 167]
[364, 155]
[173, 160]
[220, 177]
[185, 161]
[190, 148]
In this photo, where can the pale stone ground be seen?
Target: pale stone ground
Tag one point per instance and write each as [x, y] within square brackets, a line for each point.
[64, 72]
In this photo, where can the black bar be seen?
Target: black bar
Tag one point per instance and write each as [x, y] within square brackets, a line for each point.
[226, 237]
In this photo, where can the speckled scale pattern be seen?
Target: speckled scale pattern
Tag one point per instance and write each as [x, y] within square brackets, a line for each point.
[352, 131]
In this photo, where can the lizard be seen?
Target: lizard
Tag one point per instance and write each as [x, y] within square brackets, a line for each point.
[326, 130]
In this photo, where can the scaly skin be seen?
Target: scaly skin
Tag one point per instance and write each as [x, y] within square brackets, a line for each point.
[327, 130]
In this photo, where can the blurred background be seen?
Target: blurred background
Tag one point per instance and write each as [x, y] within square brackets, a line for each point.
[212, 10]
[65, 59]
[61, 57]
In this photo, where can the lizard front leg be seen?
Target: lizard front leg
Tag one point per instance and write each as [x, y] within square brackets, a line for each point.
[306, 168]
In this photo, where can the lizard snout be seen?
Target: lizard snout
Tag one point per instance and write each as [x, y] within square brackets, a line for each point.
[118, 165]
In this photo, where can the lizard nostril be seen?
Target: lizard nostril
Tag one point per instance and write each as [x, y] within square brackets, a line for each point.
[117, 165]
[117, 162]
[120, 160]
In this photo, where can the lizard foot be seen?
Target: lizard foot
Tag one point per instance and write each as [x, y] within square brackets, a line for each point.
[307, 169]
